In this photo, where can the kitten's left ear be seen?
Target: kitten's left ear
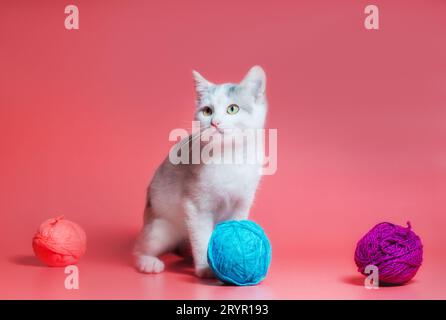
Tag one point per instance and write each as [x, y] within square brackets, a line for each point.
[201, 84]
[255, 81]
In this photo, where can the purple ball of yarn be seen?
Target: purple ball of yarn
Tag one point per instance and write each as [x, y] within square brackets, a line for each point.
[396, 251]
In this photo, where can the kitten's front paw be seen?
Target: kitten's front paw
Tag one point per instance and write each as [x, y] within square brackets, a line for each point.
[204, 272]
[149, 264]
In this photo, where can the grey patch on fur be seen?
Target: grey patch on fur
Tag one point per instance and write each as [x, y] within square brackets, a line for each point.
[231, 89]
[212, 89]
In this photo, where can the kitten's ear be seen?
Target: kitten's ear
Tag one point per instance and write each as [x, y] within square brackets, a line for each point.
[201, 84]
[255, 81]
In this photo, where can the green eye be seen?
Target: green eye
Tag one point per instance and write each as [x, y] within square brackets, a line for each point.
[207, 111]
[232, 109]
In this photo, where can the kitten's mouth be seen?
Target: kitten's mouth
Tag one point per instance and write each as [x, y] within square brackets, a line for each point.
[216, 129]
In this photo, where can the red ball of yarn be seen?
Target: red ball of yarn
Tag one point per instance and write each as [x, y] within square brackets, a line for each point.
[59, 242]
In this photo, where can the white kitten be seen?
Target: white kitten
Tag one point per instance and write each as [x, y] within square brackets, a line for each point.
[185, 201]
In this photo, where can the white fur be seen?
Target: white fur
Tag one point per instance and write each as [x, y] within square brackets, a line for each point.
[184, 202]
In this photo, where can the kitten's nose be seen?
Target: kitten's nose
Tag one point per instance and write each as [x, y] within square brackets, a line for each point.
[215, 123]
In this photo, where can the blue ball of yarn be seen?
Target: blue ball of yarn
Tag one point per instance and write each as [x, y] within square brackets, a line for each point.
[239, 252]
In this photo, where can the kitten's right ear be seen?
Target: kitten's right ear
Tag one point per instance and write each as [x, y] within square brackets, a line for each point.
[255, 81]
[201, 84]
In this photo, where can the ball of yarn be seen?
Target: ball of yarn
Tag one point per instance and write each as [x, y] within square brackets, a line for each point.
[396, 251]
[239, 252]
[59, 242]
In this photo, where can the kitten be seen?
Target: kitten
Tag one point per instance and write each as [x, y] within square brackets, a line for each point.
[185, 201]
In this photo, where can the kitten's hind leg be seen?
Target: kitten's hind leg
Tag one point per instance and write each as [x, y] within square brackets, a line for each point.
[158, 236]
[184, 249]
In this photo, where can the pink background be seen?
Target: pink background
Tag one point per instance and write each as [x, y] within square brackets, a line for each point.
[85, 117]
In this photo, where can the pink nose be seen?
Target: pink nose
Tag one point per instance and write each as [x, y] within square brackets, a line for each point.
[215, 123]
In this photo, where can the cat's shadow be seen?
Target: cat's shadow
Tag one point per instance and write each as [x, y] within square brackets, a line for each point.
[178, 264]
[184, 266]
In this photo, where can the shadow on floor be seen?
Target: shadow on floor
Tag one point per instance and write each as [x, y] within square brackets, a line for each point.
[115, 247]
[26, 260]
[181, 265]
[356, 280]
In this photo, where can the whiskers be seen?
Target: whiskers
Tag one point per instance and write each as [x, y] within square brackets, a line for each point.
[194, 136]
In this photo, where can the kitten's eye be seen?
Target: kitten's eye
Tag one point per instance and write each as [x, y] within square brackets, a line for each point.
[207, 111]
[233, 109]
